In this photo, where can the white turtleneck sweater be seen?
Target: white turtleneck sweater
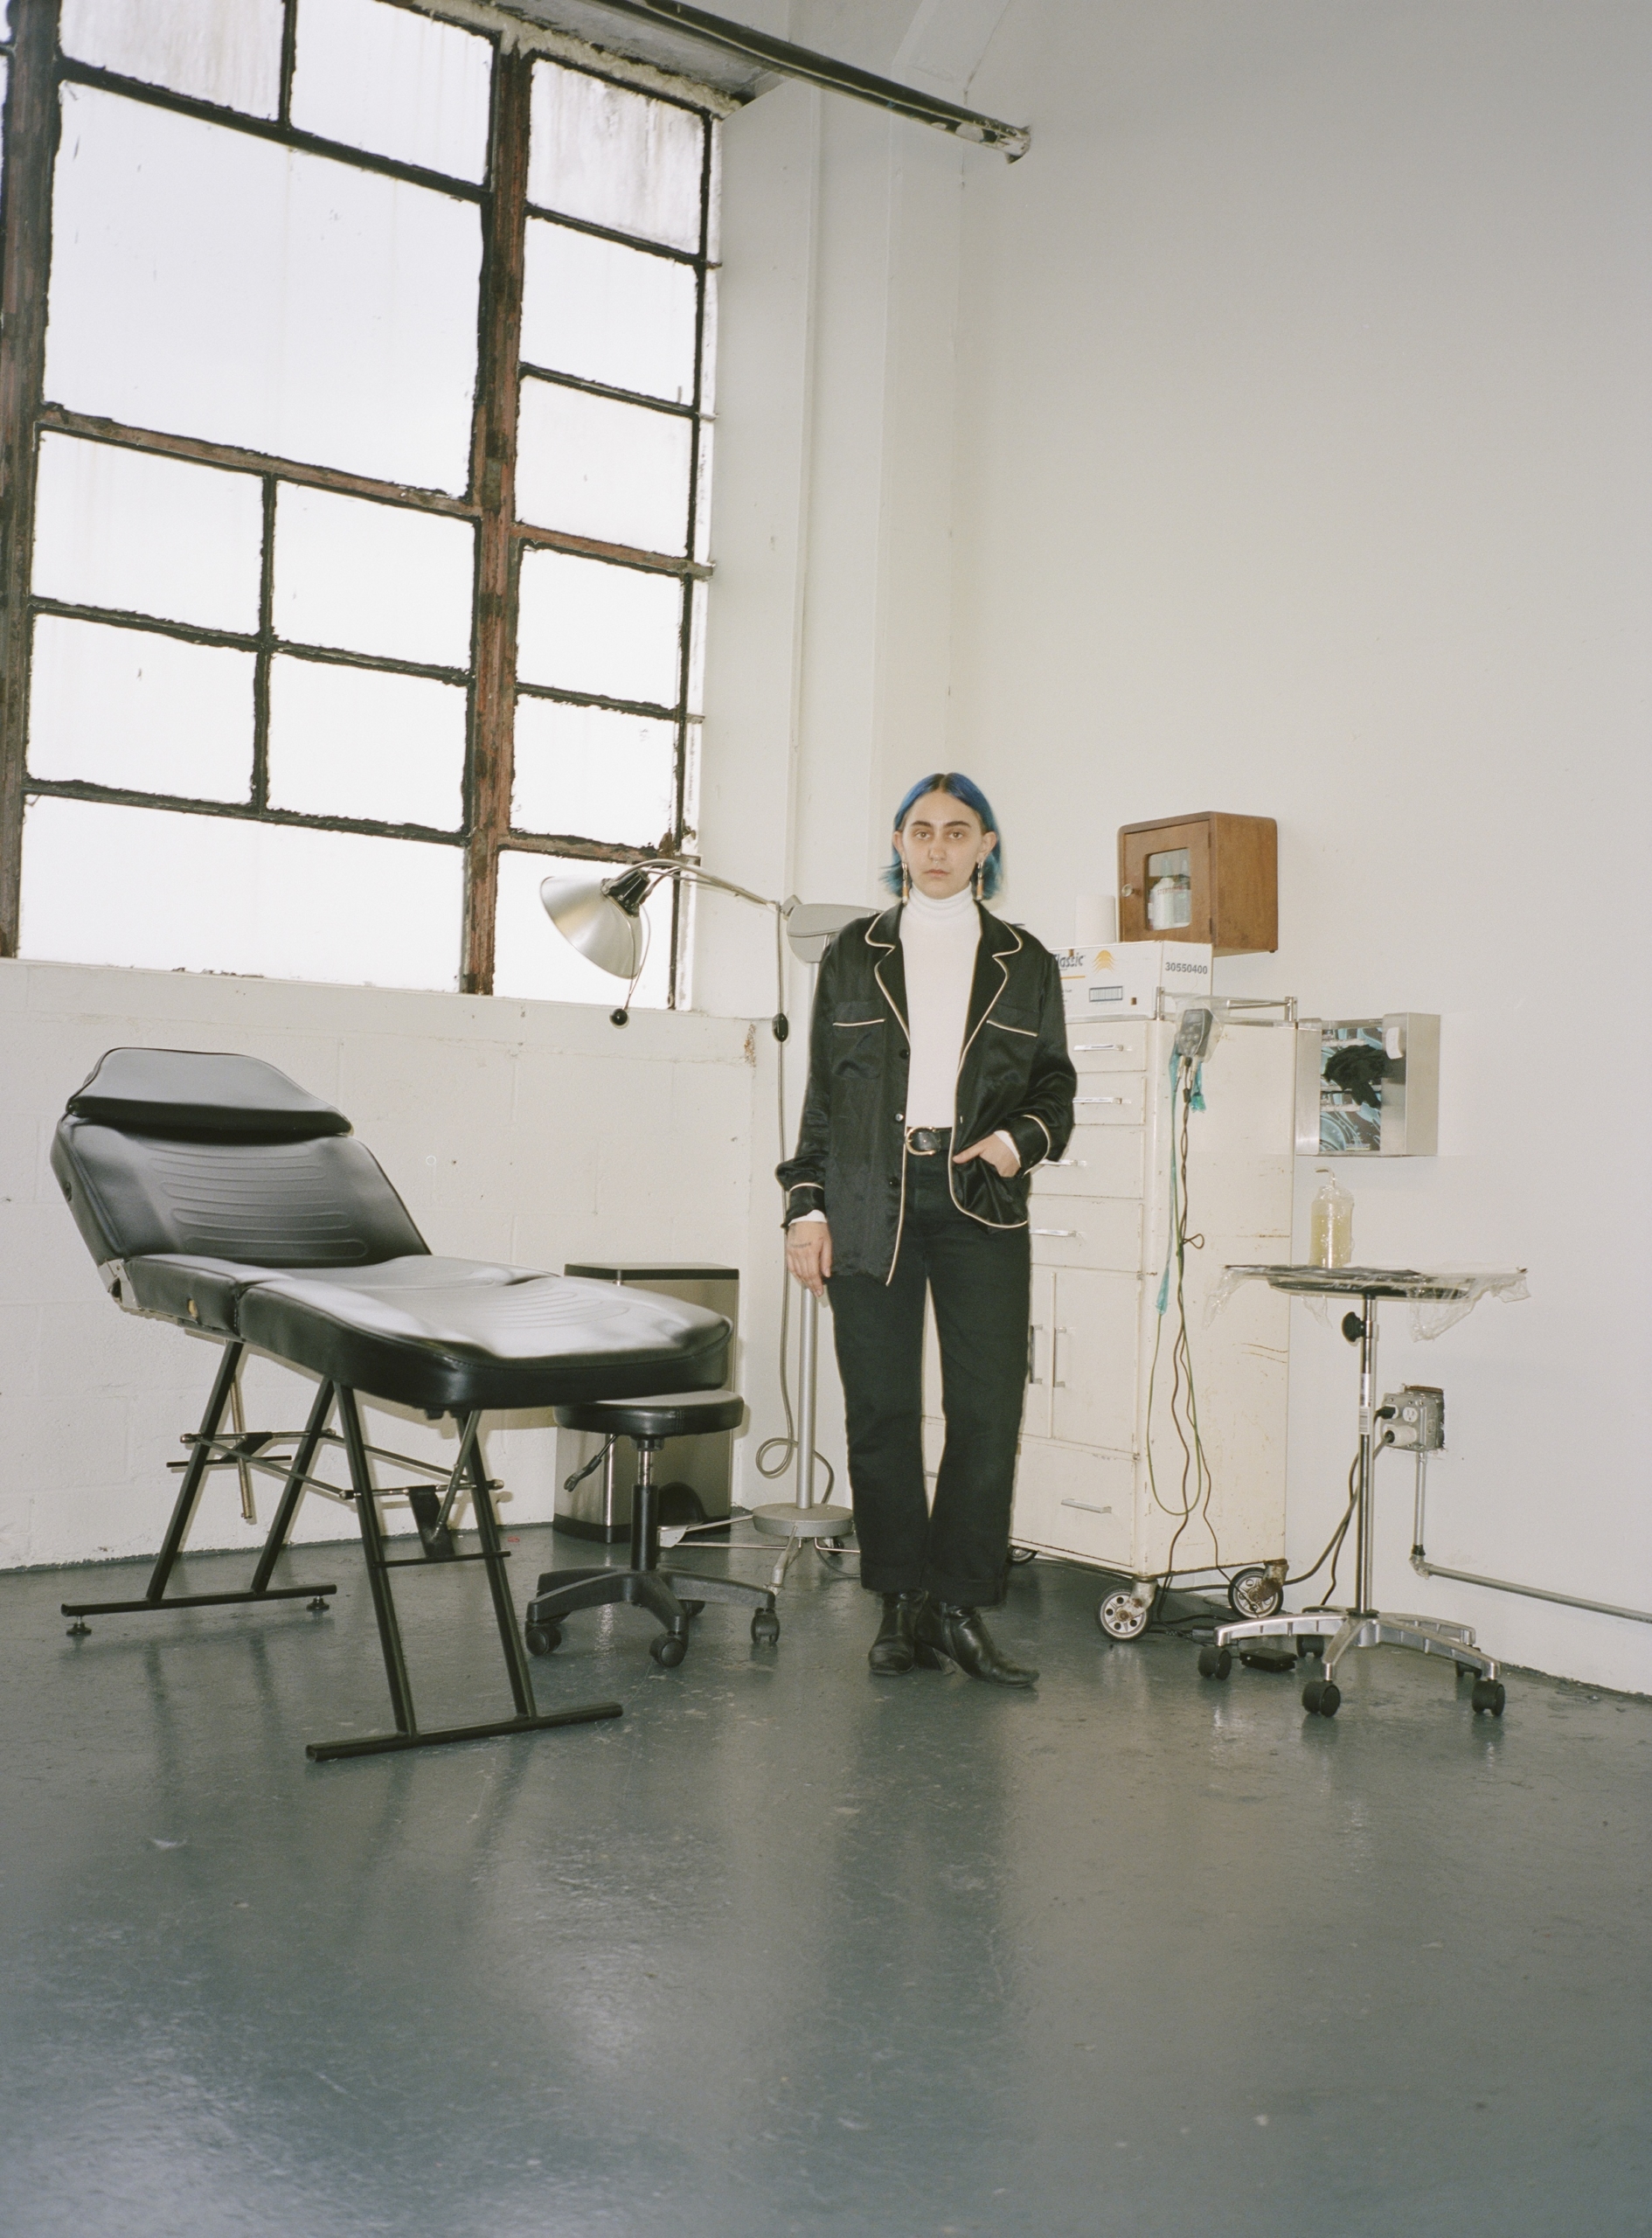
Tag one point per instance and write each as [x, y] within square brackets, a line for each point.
[938, 944]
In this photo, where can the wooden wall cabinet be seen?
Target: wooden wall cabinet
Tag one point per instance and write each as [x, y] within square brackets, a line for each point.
[1201, 878]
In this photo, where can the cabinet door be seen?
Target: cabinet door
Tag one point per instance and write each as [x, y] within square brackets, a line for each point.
[1035, 1420]
[1092, 1363]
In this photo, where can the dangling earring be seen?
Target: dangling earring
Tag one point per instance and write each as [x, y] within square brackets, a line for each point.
[905, 880]
[976, 880]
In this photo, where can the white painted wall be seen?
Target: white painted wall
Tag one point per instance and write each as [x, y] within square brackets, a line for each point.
[530, 1132]
[1294, 394]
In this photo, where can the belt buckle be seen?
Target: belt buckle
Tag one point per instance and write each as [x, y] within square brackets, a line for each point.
[914, 1148]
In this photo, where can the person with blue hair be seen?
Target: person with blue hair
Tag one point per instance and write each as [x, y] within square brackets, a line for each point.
[939, 1077]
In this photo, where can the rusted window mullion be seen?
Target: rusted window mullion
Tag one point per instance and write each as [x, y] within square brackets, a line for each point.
[31, 147]
[202, 451]
[493, 489]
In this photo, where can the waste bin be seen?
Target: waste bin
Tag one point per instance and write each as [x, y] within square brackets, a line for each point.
[695, 1474]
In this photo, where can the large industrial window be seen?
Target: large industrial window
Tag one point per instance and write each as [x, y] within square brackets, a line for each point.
[353, 397]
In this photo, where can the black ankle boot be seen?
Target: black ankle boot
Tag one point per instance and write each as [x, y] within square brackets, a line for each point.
[947, 1633]
[890, 1653]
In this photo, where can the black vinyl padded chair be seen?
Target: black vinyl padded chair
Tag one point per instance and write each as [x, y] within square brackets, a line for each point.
[215, 1193]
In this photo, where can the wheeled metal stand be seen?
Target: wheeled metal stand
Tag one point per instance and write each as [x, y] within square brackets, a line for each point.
[1363, 1625]
[674, 1597]
[209, 1449]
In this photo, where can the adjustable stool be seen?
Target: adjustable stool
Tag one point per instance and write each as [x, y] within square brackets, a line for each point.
[647, 1423]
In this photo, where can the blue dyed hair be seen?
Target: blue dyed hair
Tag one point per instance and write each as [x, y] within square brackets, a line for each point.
[962, 788]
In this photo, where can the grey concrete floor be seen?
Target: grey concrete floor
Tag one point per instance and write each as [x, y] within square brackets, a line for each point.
[790, 1949]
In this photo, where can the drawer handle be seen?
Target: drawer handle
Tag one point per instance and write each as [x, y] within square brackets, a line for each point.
[1088, 1506]
[1066, 1161]
[1094, 1048]
[1101, 1099]
[1033, 1375]
[1059, 1231]
[1056, 1382]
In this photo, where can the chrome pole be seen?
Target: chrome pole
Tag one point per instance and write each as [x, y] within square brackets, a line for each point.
[809, 1363]
[1363, 1596]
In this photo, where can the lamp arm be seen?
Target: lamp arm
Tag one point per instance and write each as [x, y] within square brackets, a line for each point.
[675, 867]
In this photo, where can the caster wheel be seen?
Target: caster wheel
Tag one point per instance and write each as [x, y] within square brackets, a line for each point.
[1489, 1696]
[1121, 1616]
[1306, 1646]
[1322, 1698]
[689, 1608]
[765, 1628]
[1020, 1554]
[1254, 1592]
[668, 1649]
[1467, 1671]
[543, 1639]
[1214, 1663]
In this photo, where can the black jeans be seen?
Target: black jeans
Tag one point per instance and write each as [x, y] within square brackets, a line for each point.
[980, 1280]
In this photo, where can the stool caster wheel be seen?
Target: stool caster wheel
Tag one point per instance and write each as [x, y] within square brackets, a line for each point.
[1488, 1695]
[1467, 1671]
[1322, 1698]
[668, 1649]
[765, 1628]
[689, 1608]
[1306, 1645]
[1214, 1663]
[543, 1639]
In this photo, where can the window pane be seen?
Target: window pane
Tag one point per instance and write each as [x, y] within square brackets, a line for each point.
[618, 472]
[606, 313]
[531, 958]
[584, 626]
[145, 535]
[383, 78]
[356, 742]
[372, 579]
[592, 774]
[223, 893]
[223, 51]
[127, 707]
[615, 157]
[209, 283]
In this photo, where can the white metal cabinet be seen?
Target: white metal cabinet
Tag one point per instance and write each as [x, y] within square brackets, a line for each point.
[1100, 1222]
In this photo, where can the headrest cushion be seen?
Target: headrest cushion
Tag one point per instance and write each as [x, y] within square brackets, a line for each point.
[189, 1091]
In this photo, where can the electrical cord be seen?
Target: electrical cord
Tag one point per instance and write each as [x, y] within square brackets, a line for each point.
[1333, 1545]
[1198, 1482]
[785, 1445]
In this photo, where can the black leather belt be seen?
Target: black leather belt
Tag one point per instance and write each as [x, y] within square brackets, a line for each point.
[926, 1141]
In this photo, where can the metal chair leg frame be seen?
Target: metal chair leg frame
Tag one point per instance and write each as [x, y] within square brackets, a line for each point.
[493, 1556]
[189, 1498]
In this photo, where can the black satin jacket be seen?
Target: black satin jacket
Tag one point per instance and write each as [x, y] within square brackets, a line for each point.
[1014, 1073]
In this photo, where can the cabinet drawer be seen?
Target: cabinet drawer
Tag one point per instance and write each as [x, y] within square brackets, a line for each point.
[1096, 1046]
[1088, 1232]
[1070, 1502]
[1109, 1100]
[1098, 1162]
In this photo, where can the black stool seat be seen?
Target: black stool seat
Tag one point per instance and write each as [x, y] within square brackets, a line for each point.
[676, 1414]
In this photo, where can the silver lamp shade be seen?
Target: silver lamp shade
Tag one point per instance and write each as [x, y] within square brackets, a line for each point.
[586, 914]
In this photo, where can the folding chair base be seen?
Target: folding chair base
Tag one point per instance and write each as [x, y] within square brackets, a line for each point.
[313, 1593]
[382, 1744]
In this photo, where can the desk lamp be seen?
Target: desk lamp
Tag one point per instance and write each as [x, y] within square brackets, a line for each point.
[602, 919]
